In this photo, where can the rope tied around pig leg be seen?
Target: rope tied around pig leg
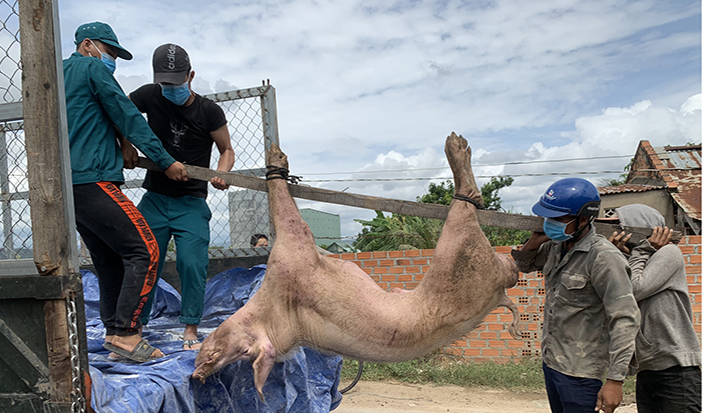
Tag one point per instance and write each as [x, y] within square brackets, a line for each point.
[277, 172]
[470, 200]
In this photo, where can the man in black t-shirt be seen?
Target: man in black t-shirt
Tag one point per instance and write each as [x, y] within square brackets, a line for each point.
[187, 125]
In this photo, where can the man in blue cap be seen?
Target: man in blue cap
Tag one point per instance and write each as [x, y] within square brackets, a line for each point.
[590, 315]
[122, 246]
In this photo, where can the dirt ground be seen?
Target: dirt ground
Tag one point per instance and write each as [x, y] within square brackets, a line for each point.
[383, 397]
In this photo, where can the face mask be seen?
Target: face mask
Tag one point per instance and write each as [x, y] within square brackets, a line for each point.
[556, 230]
[107, 59]
[177, 94]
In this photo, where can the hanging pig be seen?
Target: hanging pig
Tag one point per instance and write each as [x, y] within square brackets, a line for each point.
[307, 299]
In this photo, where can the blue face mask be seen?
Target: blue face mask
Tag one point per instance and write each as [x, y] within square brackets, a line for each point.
[556, 230]
[177, 94]
[107, 59]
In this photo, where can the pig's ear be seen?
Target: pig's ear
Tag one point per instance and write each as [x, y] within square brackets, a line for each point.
[263, 365]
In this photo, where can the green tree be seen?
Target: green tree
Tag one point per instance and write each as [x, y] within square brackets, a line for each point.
[397, 232]
[621, 180]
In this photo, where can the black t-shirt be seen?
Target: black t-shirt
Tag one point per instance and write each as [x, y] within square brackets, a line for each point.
[184, 132]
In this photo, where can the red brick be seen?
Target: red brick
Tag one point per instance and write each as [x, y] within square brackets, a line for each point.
[370, 263]
[698, 328]
[379, 254]
[348, 256]
[454, 351]
[490, 352]
[515, 344]
[532, 327]
[427, 253]
[395, 285]
[383, 286]
[505, 335]
[364, 255]
[693, 269]
[419, 276]
[695, 239]
[411, 286]
[412, 253]
[496, 343]
[396, 270]
[420, 261]
[514, 292]
[487, 335]
[490, 318]
[380, 270]
[396, 254]
[424, 269]
[386, 263]
[698, 298]
[403, 277]
[506, 318]
[472, 352]
[498, 310]
[367, 270]
[695, 259]
[413, 270]
[687, 249]
[388, 278]
[495, 326]
[503, 250]
[403, 263]
[476, 344]
[509, 353]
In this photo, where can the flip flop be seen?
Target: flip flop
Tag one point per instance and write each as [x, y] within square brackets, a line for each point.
[140, 353]
[190, 343]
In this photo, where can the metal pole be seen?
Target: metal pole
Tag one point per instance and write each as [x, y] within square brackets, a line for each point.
[8, 241]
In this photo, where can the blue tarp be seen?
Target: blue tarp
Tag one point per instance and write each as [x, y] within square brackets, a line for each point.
[306, 382]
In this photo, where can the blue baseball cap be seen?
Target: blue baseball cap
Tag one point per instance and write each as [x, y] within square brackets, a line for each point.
[104, 33]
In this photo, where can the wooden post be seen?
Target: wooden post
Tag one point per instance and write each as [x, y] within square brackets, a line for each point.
[51, 201]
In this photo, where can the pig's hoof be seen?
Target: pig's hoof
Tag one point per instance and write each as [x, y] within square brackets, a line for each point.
[276, 157]
[459, 154]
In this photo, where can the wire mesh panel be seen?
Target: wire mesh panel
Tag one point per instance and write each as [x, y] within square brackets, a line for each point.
[237, 213]
[10, 69]
[16, 234]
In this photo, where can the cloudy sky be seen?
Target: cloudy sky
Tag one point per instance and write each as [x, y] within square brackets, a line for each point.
[366, 87]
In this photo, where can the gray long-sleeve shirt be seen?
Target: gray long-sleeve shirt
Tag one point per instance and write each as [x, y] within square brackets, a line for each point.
[667, 337]
[590, 315]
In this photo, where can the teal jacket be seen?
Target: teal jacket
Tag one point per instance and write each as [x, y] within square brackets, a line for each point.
[94, 104]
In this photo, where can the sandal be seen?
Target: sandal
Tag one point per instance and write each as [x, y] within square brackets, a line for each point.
[190, 343]
[141, 353]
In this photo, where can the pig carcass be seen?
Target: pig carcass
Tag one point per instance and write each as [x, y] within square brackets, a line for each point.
[307, 299]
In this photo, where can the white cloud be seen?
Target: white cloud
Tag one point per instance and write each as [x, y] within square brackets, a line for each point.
[366, 85]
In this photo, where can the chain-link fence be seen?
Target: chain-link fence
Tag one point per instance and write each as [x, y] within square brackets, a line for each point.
[16, 235]
[237, 214]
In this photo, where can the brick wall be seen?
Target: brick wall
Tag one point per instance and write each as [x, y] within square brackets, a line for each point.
[491, 341]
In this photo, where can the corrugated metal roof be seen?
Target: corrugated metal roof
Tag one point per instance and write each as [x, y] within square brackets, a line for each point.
[621, 189]
[684, 171]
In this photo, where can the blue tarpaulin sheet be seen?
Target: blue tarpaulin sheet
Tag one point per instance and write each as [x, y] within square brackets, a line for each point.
[306, 382]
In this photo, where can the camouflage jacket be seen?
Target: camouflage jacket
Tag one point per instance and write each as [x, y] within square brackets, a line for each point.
[590, 315]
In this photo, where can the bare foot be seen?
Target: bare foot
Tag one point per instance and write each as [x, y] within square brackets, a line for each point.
[190, 340]
[128, 343]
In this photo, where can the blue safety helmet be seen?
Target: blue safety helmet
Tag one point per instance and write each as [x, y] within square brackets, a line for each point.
[569, 196]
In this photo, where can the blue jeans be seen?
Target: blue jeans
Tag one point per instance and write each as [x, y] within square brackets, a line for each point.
[187, 219]
[676, 389]
[568, 394]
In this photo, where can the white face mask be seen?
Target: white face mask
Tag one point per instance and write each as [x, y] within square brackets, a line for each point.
[106, 58]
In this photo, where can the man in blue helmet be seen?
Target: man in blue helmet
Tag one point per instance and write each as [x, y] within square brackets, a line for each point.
[123, 248]
[590, 315]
